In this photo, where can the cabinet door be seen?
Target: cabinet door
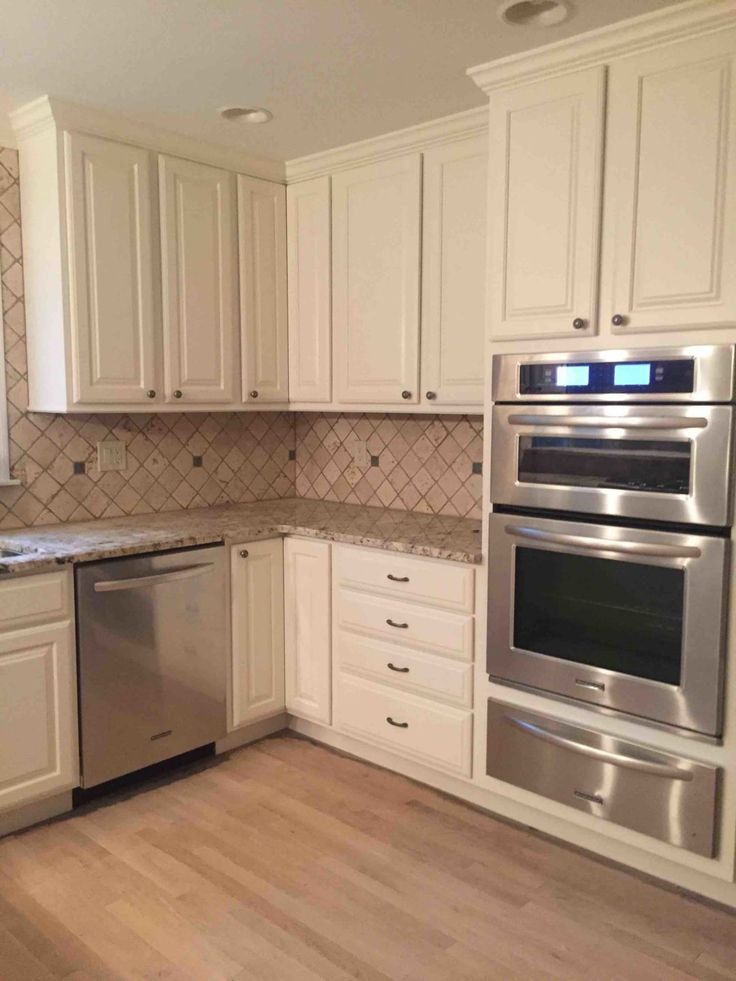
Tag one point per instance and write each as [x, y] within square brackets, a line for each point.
[454, 272]
[308, 640]
[262, 241]
[38, 716]
[310, 326]
[544, 207]
[111, 296]
[670, 216]
[375, 287]
[257, 578]
[199, 276]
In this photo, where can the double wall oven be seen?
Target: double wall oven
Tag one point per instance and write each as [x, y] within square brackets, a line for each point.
[611, 486]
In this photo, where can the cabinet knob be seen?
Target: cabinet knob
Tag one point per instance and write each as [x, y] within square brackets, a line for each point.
[253, 394]
[151, 393]
[431, 396]
[406, 394]
[177, 394]
[579, 324]
[618, 320]
[244, 553]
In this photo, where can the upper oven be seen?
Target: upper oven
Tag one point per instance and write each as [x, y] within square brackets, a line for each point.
[637, 434]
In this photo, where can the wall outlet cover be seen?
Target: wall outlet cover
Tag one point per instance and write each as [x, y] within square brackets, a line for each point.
[111, 455]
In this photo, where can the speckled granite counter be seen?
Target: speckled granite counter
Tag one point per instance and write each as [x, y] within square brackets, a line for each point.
[49, 546]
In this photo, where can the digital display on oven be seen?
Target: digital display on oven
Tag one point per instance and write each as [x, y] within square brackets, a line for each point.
[631, 374]
[572, 376]
[656, 377]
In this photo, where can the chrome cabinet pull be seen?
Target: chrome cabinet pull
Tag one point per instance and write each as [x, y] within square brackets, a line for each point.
[253, 394]
[401, 626]
[394, 668]
[399, 725]
[177, 393]
[579, 324]
[244, 553]
[151, 393]
[603, 755]
[605, 544]
[406, 394]
[158, 578]
[397, 578]
[618, 320]
[672, 423]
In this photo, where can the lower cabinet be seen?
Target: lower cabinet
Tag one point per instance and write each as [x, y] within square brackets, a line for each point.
[307, 577]
[257, 583]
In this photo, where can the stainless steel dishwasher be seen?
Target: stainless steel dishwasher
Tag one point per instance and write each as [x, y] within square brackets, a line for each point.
[152, 634]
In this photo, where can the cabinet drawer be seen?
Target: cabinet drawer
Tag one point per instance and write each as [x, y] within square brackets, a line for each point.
[33, 599]
[404, 623]
[401, 667]
[664, 796]
[434, 734]
[393, 574]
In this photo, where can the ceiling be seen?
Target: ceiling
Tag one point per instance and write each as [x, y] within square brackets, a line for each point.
[331, 71]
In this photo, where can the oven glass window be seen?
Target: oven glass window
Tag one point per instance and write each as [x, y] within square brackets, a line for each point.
[622, 616]
[662, 466]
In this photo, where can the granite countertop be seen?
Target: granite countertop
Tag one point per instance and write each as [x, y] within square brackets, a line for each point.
[438, 536]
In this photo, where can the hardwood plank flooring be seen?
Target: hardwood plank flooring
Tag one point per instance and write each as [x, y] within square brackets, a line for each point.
[288, 861]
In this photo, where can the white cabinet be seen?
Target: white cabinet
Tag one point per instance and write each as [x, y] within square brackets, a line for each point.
[198, 268]
[257, 584]
[376, 231]
[544, 206]
[111, 300]
[308, 629]
[310, 322]
[454, 272]
[262, 253]
[670, 207]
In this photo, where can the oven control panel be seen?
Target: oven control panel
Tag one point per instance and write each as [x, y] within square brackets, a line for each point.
[655, 377]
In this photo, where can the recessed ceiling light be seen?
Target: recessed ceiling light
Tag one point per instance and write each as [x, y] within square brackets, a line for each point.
[245, 115]
[534, 13]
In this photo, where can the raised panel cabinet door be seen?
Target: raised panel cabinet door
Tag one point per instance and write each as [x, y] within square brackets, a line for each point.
[544, 207]
[310, 317]
[376, 242]
[670, 207]
[38, 714]
[262, 253]
[257, 582]
[200, 287]
[112, 308]
[308, 629]
[454, 272]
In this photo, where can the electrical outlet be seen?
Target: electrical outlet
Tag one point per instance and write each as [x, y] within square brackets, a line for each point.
[111, 455]
[359, 449]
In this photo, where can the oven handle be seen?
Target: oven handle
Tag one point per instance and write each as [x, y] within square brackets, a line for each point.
[673, 423]
[139, 582]
[604, 755]
[606, 545]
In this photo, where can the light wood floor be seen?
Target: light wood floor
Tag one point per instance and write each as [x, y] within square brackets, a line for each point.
[287, 861]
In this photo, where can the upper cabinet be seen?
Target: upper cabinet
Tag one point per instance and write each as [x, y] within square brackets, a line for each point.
[198, 268]
[376, 234]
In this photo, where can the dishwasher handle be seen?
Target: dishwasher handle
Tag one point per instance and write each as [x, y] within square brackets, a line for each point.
[157, 579]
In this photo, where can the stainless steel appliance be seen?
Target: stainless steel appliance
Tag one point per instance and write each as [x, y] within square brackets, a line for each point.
[152, 642]
[608, 542]
[664, 796]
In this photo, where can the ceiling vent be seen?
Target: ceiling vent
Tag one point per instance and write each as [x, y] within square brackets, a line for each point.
[245, 115]
[534, 13]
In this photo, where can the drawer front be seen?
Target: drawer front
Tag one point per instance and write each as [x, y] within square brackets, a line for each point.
[433, 630]
[660, 795]
[34, 599]
[401, 667]
[403, 577]
[434, 734]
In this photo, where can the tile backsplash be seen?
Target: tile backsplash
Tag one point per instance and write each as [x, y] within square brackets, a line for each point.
[187, 460]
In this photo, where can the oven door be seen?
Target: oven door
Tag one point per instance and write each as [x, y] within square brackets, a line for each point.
[660, 463]
[629, 619]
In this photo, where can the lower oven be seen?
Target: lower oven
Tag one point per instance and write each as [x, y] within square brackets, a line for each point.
[626, 618]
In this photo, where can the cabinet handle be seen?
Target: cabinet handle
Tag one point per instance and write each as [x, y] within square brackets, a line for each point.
[401, 626]
[397, 578]
[244, 553]
[393, 667]
[618, 320]
[253, 394]
[151, 393]
[399, 725]
[579, 324]
[406, 394]
[431, 396]
[177, 394]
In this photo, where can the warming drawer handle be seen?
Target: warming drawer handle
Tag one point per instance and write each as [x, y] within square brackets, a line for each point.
[606, 544]
[139, 582]
[604, 755]
[673, 423]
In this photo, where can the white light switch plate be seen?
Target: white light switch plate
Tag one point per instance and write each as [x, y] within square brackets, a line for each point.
[111, 455]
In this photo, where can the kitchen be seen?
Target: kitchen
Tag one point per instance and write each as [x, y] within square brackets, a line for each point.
[371, 506]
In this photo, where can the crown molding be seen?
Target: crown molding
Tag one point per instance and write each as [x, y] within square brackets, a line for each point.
[471, 122]
[36, 116]
[687, 20]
